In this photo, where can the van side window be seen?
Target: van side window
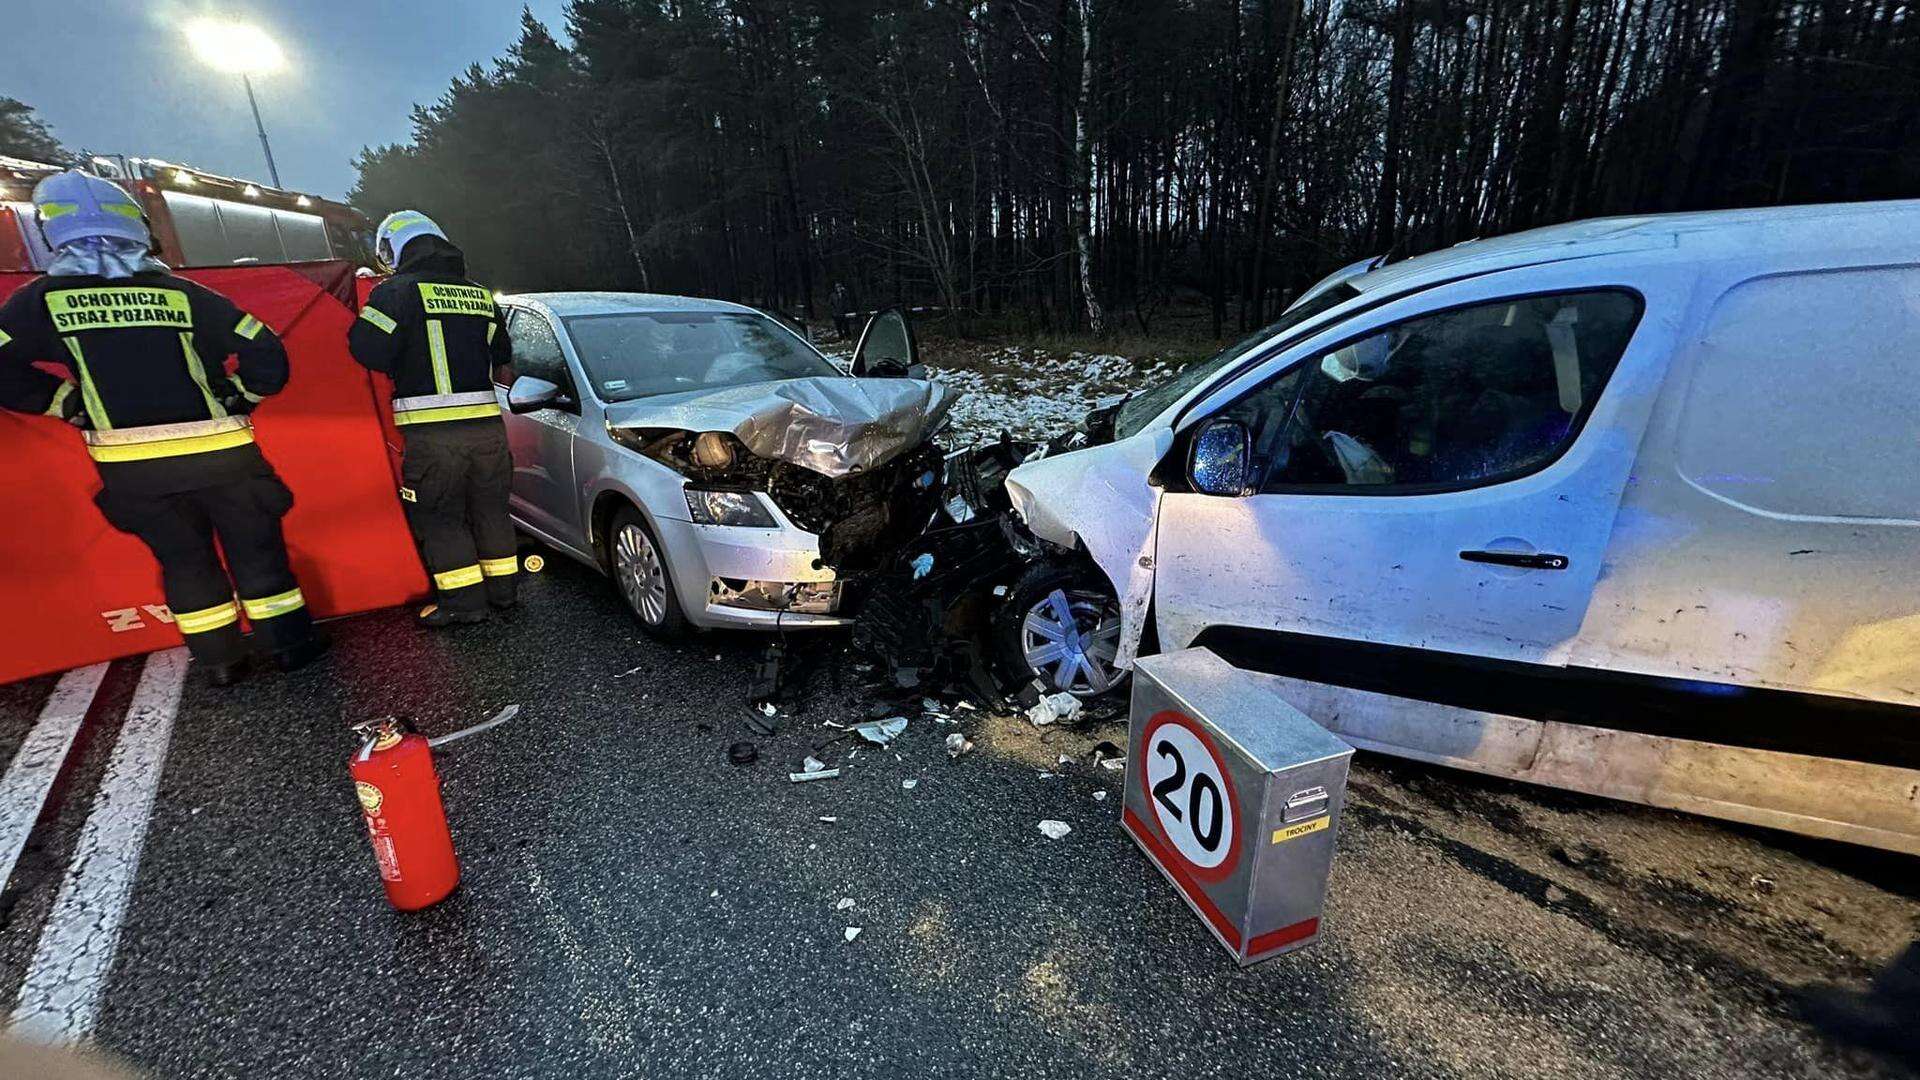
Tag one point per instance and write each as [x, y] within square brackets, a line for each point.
[1459, 398]
[536, 351]
[1792, 413]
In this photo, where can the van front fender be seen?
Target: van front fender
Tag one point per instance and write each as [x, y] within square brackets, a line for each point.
[1098, 500]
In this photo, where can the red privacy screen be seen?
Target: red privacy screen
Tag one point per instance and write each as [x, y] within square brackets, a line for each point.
[80, 591]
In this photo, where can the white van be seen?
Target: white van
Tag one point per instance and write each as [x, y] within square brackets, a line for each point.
[1627, 506]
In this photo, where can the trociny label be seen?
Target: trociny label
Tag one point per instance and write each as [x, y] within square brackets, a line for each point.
[1295, 832]
[456, 300]
[370, 797]
[112, 309]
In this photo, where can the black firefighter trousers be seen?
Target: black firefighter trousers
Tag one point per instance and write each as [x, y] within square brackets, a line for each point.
[179, 527]
[456, 476]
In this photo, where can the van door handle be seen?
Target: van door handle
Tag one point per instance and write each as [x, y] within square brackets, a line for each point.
[1522, 559]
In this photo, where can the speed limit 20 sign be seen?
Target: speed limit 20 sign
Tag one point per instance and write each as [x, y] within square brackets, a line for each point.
[1233, 794]
[1191, 795]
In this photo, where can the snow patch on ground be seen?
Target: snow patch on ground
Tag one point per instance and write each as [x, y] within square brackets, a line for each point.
[1034, 393]
[1027, 391]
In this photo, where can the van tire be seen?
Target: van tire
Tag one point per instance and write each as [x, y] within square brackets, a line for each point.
[1030, 614]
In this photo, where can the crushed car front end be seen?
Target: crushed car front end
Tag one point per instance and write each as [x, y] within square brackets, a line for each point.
[772, 501]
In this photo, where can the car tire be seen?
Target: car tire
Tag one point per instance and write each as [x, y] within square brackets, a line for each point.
[640, 574]
[1032, 639]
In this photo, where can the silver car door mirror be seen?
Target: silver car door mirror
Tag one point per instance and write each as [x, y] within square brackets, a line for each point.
[528, 394]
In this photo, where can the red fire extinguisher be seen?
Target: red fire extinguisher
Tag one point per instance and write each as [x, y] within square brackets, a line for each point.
[400, 794]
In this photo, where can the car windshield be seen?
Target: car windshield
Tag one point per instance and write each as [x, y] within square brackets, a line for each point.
[639, 354]
[1149, 403]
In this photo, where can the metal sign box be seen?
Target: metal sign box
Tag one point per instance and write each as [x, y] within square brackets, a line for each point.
[1234, 794]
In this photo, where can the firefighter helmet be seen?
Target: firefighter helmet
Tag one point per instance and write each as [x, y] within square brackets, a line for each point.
[74, 206]
[399, 229]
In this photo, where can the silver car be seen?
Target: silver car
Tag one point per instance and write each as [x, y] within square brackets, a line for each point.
[722, 470]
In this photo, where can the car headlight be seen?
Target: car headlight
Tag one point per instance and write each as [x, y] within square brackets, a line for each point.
[728, 508]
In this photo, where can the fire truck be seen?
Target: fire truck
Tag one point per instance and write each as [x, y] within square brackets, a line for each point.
[198, 218]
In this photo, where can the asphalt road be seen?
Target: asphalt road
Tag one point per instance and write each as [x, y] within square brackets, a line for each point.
[633, 904]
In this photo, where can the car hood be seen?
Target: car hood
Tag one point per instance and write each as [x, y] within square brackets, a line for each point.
[832, 425]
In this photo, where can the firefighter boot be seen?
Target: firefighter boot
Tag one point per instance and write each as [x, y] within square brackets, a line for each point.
[228, 673]
[299, 655]
[437, 616]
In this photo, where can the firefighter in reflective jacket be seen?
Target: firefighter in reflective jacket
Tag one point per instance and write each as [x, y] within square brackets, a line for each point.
[166, 426]
[443, 342]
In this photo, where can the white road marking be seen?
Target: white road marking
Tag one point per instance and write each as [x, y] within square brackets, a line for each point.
[24, 788]
[60, 998]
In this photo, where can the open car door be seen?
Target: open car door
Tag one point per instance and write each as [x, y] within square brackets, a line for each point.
[887, 349]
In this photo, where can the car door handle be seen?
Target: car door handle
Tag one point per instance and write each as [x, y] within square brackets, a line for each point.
[1525, 560]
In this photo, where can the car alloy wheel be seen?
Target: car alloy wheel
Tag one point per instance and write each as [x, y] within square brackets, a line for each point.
[643, 579]
[1069, 638]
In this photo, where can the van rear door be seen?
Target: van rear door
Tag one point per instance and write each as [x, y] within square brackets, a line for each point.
[1441, 474]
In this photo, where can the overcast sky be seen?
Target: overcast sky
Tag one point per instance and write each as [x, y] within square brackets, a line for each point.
[116, 76]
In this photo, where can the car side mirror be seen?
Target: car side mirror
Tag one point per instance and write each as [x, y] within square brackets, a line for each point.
[528, 394]
[1220, 461]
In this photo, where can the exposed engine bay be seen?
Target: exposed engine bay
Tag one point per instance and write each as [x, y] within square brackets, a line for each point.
[862, 518]
[924, 543]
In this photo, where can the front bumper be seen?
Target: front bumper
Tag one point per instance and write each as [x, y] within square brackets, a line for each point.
[699, 556]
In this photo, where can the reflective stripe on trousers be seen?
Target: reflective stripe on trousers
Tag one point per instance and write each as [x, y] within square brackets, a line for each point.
[266, 607]
[211, 618]
[458, 579]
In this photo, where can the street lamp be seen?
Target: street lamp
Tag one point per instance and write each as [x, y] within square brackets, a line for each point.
[245, 50]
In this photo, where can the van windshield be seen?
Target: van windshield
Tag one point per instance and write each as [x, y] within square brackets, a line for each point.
[1137, 410]
[639, 354]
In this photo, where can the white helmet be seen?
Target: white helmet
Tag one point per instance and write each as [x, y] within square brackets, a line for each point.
[397, 230]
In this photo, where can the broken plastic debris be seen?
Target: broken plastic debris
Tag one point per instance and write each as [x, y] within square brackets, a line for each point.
[967, 705]
[922, 566]
[1053, 708]
[909, 784]
[845, 903]
[1099, 796]
[927, 704]
[851, 932]
[882, 732]
[957, 744]
[629, 671]
[713, 894]
[829, 820]
[812, 764]
[767, 708]
[1055, 830]
[818, 774]
[1062, 760]
[1114, 763]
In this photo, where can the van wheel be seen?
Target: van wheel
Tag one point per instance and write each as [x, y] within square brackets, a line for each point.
[640, 571]
[1061, 625]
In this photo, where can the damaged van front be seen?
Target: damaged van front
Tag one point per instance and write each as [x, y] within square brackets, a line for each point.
[1594, 506]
